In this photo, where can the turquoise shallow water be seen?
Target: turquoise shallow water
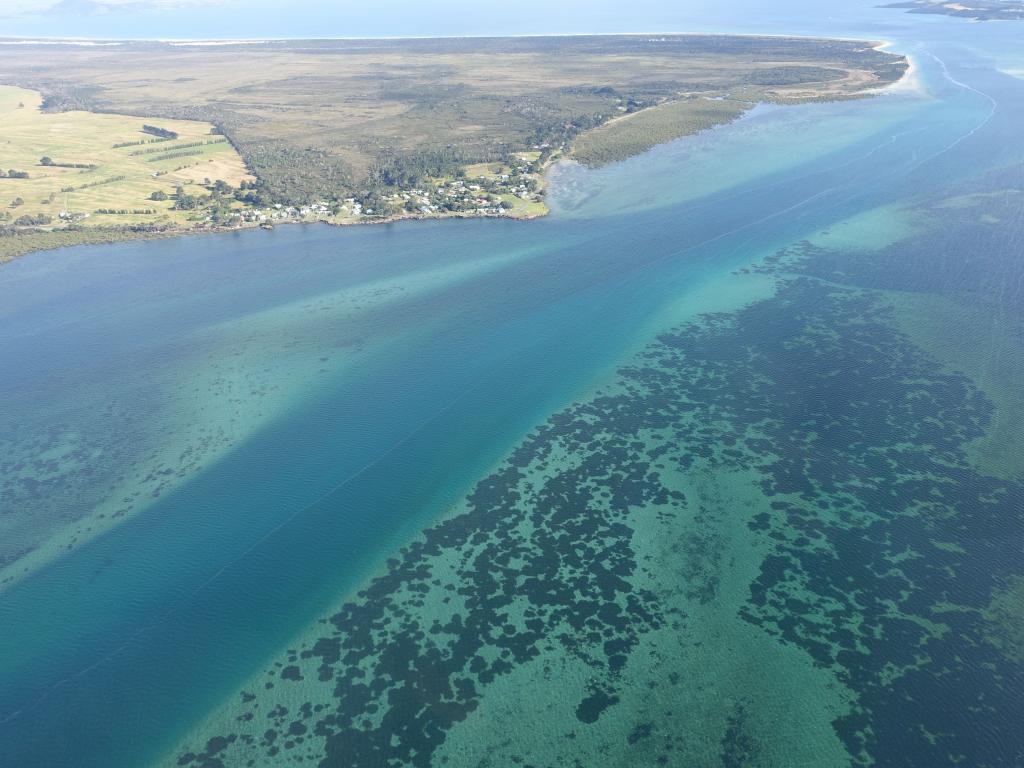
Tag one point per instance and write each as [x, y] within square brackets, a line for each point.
[261, 419]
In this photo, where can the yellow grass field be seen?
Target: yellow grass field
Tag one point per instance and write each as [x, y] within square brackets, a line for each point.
[120, 178]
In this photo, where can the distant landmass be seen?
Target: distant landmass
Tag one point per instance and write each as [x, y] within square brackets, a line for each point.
[977, 10]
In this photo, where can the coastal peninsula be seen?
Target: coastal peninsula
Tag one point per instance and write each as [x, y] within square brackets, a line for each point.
[974, 10]
[140, 139]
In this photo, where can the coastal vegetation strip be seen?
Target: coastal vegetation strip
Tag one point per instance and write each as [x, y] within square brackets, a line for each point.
[13, 246]
[635, 133]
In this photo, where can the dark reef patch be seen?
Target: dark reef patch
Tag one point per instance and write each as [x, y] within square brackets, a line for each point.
[591, 708]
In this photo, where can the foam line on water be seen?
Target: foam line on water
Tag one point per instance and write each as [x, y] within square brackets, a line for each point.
[960, 84]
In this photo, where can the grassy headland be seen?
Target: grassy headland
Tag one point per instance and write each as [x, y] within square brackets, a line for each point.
[372, 130]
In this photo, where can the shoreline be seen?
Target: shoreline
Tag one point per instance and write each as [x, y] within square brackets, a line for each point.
[29, 40]
[909, 83]
[112, 237]
[102, 236]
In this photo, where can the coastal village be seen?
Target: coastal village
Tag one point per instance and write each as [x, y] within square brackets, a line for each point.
[511, 189]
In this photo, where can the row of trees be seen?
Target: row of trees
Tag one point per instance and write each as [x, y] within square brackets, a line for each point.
[13, 174]
[163, 133]
[174, 155]
[176, 147]
[123, 144]
[49, 163]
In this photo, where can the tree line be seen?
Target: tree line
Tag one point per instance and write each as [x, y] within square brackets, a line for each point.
[50, 163]
[163, 133]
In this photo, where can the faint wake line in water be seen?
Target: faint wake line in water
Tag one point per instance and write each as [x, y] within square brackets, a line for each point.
[702, 203]
[960, 84]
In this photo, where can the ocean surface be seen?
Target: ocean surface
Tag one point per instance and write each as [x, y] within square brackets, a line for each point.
[721, 464]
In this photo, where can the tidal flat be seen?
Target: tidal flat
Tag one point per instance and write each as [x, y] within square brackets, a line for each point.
[716, 465]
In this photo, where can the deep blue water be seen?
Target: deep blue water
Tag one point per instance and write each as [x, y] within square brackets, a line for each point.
[110, 653]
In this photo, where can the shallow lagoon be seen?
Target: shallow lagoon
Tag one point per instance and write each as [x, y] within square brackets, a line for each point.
[754, 537]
